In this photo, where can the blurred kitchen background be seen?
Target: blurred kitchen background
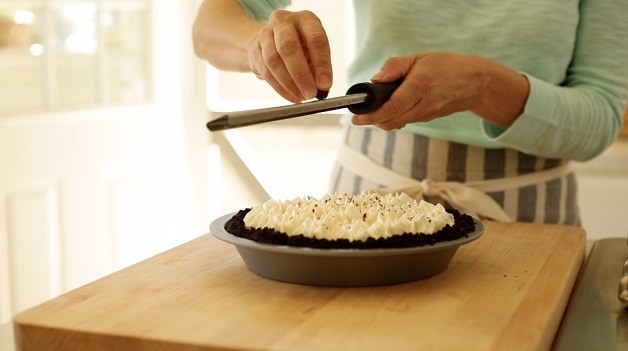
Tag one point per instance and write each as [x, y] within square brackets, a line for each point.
[104, 155]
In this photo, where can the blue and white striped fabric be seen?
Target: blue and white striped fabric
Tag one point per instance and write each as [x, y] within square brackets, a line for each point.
[550, 200]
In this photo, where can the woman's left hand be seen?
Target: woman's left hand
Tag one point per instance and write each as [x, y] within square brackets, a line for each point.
[438, 84]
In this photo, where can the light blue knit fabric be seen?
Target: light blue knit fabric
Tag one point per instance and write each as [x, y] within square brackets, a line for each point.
[261, 9]
[574, 53]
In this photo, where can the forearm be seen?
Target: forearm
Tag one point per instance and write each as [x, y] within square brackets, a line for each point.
[221, 32]
[504, 96]
[579, 118]
[576, 123]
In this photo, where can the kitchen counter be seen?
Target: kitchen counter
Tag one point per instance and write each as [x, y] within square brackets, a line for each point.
[507, 290]
[595, 319]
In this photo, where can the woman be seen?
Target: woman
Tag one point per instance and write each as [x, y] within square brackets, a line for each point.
[497, 96]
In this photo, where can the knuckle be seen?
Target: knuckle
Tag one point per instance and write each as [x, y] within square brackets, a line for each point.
[273, 59]
[307, 14]
[300, 77]
[278, 15]
[288, 46]
[318, 40]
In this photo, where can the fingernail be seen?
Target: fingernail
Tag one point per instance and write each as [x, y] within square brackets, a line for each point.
[324, 82]
[310, 93]
[379, 75]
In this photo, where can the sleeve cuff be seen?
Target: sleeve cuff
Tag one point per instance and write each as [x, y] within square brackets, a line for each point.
[534, 119]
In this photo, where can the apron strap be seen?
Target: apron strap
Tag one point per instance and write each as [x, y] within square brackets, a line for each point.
[469, 197]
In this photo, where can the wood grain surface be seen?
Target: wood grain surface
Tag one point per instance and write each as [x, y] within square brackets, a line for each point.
[506, 291]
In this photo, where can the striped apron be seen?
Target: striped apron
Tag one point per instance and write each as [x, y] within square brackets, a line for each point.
[498, 184]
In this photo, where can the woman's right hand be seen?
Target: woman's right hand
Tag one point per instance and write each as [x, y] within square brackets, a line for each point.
[291, 52]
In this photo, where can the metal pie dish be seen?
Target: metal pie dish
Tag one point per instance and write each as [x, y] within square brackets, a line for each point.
[343, 267]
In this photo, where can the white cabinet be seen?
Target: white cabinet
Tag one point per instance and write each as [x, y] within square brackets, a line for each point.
[603, 192]
[88, 191]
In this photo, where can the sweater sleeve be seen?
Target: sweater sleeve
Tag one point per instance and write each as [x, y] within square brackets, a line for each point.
[581, 118]
[261, 9]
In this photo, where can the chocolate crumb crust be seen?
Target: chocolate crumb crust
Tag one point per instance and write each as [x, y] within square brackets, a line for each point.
[464, 224]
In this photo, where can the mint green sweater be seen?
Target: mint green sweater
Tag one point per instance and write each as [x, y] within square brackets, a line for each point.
[573, 52]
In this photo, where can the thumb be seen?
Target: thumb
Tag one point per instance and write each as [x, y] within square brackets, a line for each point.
[392, 70]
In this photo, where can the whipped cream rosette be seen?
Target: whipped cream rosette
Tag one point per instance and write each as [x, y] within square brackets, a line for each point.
[351, 217]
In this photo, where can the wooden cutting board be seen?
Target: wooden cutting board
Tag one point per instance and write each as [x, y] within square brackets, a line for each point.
[506, 291]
